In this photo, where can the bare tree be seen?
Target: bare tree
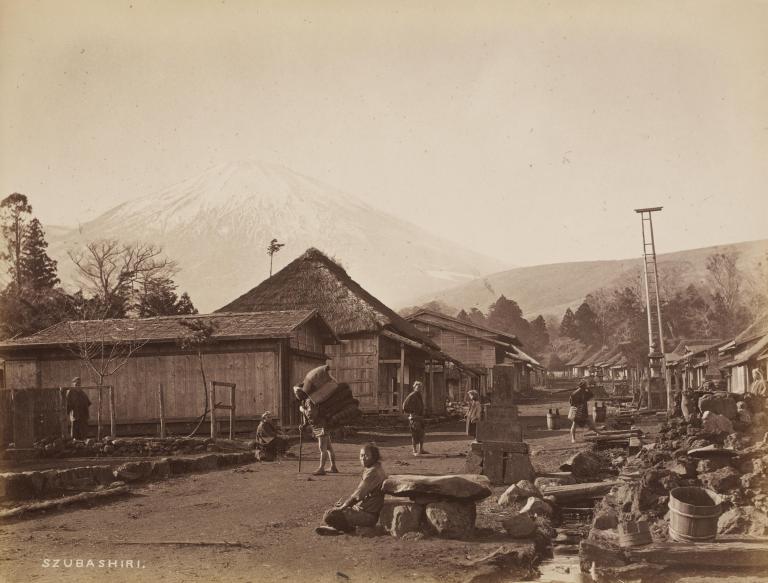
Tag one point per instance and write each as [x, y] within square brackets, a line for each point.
[726, 278]
[103, 346]
[112, 271]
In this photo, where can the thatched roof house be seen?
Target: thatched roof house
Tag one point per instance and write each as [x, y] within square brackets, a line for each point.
[381, 353]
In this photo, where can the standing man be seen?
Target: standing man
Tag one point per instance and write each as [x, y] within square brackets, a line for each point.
[311, 414]
[413, 405]
[474, 413]
[77, 409]
[579, 412]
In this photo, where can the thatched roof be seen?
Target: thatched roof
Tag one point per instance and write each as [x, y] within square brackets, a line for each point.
[315, 281]
[259, 325]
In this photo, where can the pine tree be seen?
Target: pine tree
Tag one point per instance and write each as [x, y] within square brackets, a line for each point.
[587, 329]
[184, 305]
[14, 212]
[463, 316]
[477, 317]
[160, 299]
[539, 337]
[568, 325]
[38, 270]
[506, 316]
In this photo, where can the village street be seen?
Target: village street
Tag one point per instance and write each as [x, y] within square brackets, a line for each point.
[266, 511]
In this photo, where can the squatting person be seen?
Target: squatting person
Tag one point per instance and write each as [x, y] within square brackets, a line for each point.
[268, 436]
[363, 506]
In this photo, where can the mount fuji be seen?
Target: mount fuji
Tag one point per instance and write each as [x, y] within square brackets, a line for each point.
[217, 227]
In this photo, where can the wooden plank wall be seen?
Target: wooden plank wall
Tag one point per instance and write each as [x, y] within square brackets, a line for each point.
[356, 361]
[254, 372]
[473, 352]
[308, 338]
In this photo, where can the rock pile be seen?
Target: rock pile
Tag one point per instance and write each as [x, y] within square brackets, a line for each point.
[734, 466]
[438, 505]
[132, 447]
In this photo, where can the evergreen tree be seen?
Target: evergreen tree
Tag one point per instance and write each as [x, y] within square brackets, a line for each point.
[506, 316]
[14, 213]
[38, 270]
[568, 325]
[539, 336]
[160, 299]
[463, 316]
[585, 320]
[477, 317]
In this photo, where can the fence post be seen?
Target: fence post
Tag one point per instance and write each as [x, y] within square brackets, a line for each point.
[232, 412]
[98, 417]
[112, 423]
[212, 397]
[162, 409]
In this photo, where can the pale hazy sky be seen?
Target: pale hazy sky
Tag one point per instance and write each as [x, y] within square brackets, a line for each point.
[528, 130]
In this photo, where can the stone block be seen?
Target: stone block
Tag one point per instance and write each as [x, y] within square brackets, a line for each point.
[499, 432]
[206, 463]
[399, 518]
[506, 467]
[161, 469]
[451, 519]
[460, 486]
[522, 489]
[133, 471]
[519, 525]
[721, 403]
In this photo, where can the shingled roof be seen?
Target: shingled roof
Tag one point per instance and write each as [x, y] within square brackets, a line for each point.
[315, 281]
[252, 325]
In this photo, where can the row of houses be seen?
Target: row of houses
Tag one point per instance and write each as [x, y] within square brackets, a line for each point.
[309, 313]
[735, 364]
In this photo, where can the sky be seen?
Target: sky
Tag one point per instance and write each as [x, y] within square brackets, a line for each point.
[525, 130]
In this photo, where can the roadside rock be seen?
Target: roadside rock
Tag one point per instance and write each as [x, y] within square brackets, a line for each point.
[519, 525]
[399, 518]
[584, 464]
[133, 471]
[720, 403]
[461, 486]
[452, 519]
[722, 480]
[537, 506]
[523, 489]
[605, 520]
[743, 520]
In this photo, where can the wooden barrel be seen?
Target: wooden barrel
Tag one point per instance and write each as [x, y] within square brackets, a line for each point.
[551, 421]
[634, 534]
[599, 413]
[693, 514]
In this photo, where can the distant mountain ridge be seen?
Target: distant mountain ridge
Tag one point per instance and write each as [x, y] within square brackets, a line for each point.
[550, 289]
[217, 227]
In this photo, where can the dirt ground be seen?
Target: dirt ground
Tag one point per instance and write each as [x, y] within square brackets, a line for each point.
[256, 523]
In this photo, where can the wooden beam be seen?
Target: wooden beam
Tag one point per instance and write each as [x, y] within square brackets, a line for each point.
[580, 491]
[740, 553]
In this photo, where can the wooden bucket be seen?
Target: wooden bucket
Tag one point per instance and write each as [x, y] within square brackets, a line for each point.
[693, 514]
[599, 413]
[634, 534]
[551, 421]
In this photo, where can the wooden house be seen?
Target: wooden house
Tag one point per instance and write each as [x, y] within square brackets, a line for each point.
[480, 348]
[263, 353]
[380, 354]
[746, 354]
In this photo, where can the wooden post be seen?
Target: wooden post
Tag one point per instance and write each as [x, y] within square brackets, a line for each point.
[212, 405]
[401, 379]
[232, 412]
[112, 422]
[161, 400]
[63, 418]
[432, 385]
[98, 417]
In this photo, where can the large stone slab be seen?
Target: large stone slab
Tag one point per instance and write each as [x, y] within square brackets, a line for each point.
[459, 486]
[400, 518]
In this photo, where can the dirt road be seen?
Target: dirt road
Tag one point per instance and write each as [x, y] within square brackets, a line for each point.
[253, 523]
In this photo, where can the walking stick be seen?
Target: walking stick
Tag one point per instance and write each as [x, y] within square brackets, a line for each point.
[301, 443]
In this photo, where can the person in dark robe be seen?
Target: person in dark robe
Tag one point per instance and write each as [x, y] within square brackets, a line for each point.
[474, 412]
[413, 405]
[78, 403]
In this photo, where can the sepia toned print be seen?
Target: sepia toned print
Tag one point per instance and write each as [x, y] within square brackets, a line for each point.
[359, 291]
